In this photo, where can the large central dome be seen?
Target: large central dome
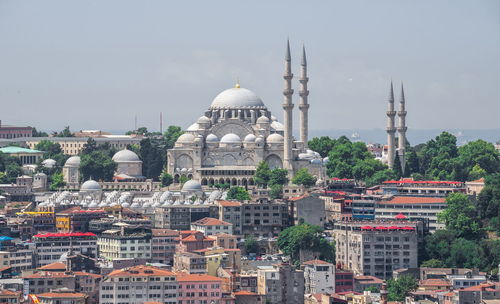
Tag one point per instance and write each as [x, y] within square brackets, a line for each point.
[237, 98]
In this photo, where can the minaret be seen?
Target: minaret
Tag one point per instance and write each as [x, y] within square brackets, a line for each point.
[303, 93]
[288, 107]
[390, 129]
[402, 130]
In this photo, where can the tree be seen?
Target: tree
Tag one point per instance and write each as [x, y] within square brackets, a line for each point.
[460, 216]
[481, 154]
[397, 166]
[488, 202]
[433, 263]
[183, 179]
[262, 174]
[12, 171]
[323, 145]
[97, 165]
[398, 289]
[303, 178]
[373, 289]
[251, 245]
[89, 147]
[57, 181]
[305, 237]
[276, 191]
[3, 178]
[64, 133]
[477, 172]
[36, 133]
[380, 176]
[278, 176]
[140, 131]
[166, 179]
[238, 193]
[171, 135]
[412, 163]
[153, 158]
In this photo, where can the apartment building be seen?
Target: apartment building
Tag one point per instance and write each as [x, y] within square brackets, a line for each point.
[126, 243]
[190, 263]
[230, 211]
[139, 284]
[210, 226]
[264, 218]
[163, 242]
[50, 246]
[180, 217]
[377, 248]
[199, 288]
[307, 208]
[319, 277]
[408, 186]
[281, 283]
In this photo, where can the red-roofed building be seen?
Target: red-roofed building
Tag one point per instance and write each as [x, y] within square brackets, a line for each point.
[210, 226]
[248, 297]
[61, 297]
[163, 244]
[45, 281]
[76, 219]
[139, 284]
[200, 288]
[363, 282]
[408, 186]
[193, 240]
[9, 296]
[50, 246]
[412, 207]
[230, 211]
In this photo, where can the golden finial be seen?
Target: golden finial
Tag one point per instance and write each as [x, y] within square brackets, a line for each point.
[237, 83]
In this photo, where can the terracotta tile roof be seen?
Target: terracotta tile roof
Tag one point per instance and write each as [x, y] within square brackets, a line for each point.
[222, 234]
[244, 293]
[165, 232]
[83, 273]
[414, 200]
[140, 271]
[61, 295]
[183, 277]
[368, 279]
[478, 287]
[229, 203]
[48, 275]
[435, 282]
[296, 198]
[315, 262]
[6, 292]
[5, 268]
[209, 221]
[54, 266]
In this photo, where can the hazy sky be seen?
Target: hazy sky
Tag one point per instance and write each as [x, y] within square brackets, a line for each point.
[95, 64]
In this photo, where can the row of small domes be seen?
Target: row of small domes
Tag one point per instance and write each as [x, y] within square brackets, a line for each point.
[124, 155]
[231, 138]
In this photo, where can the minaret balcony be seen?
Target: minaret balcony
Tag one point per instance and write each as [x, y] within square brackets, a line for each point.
[391, 113]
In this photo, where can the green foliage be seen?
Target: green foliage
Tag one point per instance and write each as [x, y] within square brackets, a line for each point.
[276, 191]
[222, 186]
[303, 178]
[397, 167]
[480, 155]
[460, 216]
[278, 176]
[54, 151]
[262, 174]
[57, 181]
[183, 179]
[3, 178]
[153, 156]
[238, 193]
[397, 290]
[89, 147]
[380, 176]
[323, 145]
[166, 179]
[11, 167]
[143, 131]
[433, 263]
[171, 135]
[98, 165]
[372, 289]
[36, 133]
[488, 203]
[251, 245]
[305, 237]
[64, 133]
[412, 162]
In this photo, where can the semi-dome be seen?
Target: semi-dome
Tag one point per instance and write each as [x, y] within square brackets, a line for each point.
[275, 138]
[73, 161]
[90, 185]
[191, 185]
[203, 120]
[230, 138]
[211, 138]
[262, 119]
[125, 155]
[186, 138]
[278, 126]
[193, 127]
[250, 138]
[235, 98]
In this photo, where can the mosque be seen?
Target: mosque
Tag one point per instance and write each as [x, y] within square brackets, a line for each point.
[238, 131]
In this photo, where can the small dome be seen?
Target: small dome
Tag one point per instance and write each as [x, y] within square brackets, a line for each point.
[237, 98]
[230, 138]
[193, 127]
[191, 185]
[278, 126]
[125, 155]
[73, 161]
[275, 138]
[90, 185]
[186, 138]
[262, 119]
[211, 138]
[147, 205]
[135, 205]
[250, 138]
[259, 139]
[273, 118]
[93, 205]
[203, 120]
[316, 161]
[125, 205]
[49, 163]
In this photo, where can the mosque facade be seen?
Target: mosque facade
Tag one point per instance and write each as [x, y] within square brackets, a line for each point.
[238, 131]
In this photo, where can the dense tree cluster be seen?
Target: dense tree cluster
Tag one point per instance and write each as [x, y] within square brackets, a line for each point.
[305, 237]
[238, 193]
[53, 151]
[398, 289]
[275, 179]
[10, 168]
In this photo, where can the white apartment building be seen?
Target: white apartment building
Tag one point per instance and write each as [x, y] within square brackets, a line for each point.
[413, 207]
[210, 226]
[50, 246]
[139, 284]
[113, 244]
[319, 277]
[376, 248]
[19, 258]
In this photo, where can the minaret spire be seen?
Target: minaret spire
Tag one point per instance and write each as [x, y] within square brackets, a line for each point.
[303, 104]
[402, 129]
[288, 107]
[391, 130]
